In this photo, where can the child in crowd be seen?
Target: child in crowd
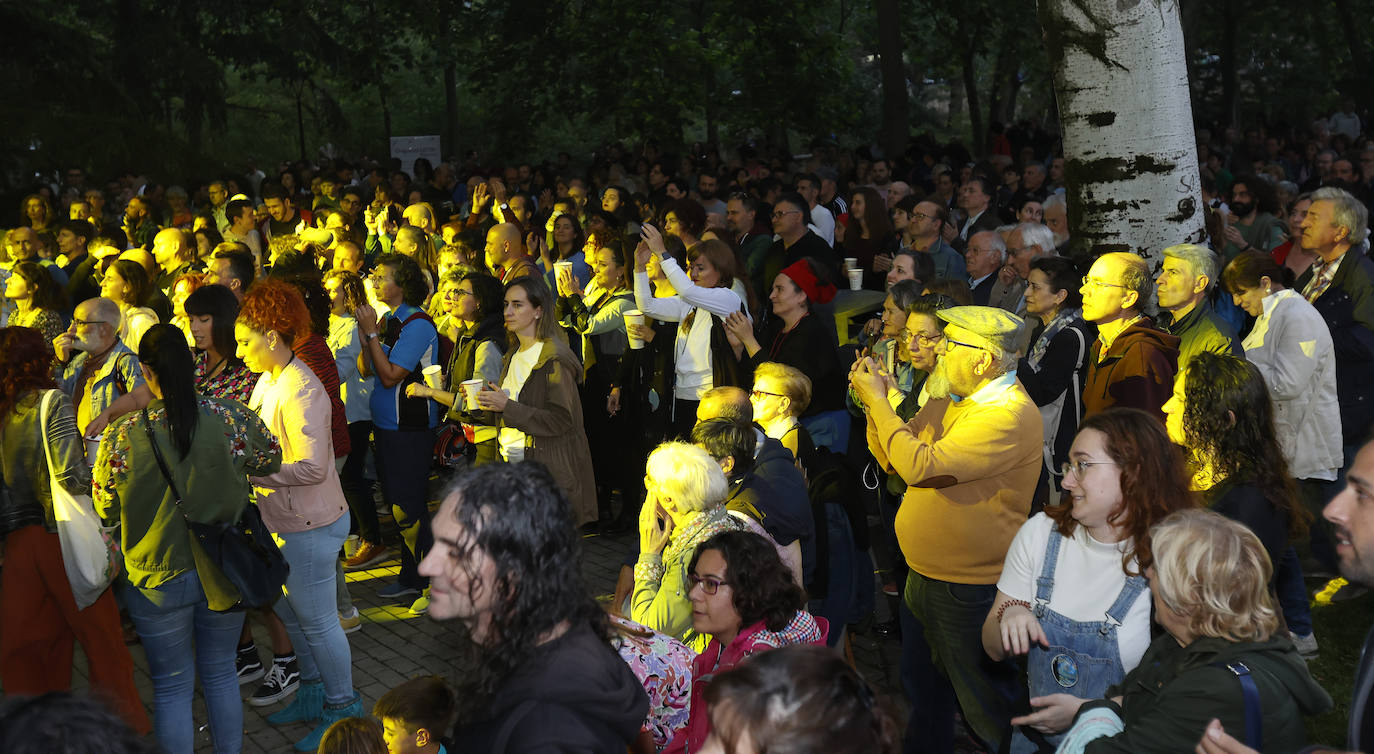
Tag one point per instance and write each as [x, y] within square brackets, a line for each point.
[353, 735]
[415, 715]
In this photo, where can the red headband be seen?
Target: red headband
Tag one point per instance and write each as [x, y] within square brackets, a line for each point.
[820, 291]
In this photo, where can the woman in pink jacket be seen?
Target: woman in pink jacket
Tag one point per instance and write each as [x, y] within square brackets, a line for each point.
[302, 504]
[745, 598]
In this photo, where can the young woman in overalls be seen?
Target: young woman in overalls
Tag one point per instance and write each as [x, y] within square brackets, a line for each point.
[1073, 595]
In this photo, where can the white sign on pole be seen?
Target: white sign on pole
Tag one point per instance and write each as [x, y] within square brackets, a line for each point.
[408, 148]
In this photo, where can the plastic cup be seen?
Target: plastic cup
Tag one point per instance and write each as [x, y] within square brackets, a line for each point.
[634, 317]
[515, 453]
[851, 263]
[856, 280]
[434, 376]
[92, 448]
[470, 389]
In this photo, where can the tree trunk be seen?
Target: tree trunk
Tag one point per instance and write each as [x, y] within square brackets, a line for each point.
[300, 124]
[386, 112]
[1229, 86]
[1130, 161]
[450, 107]
[979, 142]
[894, 133]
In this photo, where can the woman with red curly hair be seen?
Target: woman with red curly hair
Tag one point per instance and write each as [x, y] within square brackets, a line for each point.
[39, 618]
[1073, 592]
[302, 503]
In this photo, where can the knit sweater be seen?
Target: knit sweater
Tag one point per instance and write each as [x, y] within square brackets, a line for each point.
[970, 468]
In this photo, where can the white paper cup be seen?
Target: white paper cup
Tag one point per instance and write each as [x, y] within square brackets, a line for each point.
[470, 389]
[92, 448]
[634, 317]
[515, 453]
[559, 267]
[856, 280]
[434, 376]
[850, 263]
[350, 545]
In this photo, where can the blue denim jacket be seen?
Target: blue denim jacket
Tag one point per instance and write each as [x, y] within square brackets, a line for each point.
[117, 376]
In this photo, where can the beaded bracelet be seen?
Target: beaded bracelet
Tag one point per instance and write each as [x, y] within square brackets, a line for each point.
[1003, 609]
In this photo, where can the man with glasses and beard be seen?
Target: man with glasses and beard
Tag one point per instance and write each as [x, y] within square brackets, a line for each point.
[94, 366]
[970, 458]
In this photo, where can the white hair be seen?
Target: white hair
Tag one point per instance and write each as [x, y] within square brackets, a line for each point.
[687, 474]
[1199, 259]
[1038, 234]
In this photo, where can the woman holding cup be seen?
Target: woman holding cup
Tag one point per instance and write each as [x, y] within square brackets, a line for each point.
[479, 342]
[536, 398]
[598, 314]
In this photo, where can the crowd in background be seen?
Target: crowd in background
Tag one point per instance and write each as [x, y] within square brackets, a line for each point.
[1088, 475]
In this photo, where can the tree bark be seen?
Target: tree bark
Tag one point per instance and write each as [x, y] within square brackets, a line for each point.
[1130, 162]
[979, 134]
[450, 107]
[894, 132]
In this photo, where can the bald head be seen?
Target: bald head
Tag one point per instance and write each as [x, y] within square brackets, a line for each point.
[171, 248]
[145, 259]
[725, 403]
[503, 245]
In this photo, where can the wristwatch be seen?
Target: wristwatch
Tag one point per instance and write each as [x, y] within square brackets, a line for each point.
[373, 335]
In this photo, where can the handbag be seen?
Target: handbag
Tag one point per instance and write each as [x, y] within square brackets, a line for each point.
[451, 446]
[241, 555]
[90, 554]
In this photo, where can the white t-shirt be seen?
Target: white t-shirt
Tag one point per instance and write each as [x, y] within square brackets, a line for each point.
[1087, 581]
[521, 364]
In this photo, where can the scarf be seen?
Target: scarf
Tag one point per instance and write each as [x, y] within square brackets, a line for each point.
[1060, 321]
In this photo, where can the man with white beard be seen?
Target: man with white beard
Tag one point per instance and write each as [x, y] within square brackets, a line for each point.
[971, 458]
[94, 366]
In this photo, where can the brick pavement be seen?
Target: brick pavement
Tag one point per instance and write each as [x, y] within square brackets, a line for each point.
[394, 645]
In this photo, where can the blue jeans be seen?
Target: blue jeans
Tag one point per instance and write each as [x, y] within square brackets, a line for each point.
[403, 461]
[943, 662]
[310, 608]
[169, 619]
[1292, 593]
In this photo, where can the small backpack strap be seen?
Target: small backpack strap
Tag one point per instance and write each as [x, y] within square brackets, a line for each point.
[1254, 720]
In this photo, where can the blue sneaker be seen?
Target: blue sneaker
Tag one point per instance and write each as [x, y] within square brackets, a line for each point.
[395, 591]
[332, 714]
[308, 706]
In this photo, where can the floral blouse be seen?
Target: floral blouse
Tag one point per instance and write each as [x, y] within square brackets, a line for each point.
[45, 321]
[663, 666]
[234, 382]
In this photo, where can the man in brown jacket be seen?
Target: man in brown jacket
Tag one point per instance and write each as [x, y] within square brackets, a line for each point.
[1133, 363]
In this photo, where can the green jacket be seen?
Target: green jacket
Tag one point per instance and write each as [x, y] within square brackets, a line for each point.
[1176, 691]
[230, 443]
[1202, 329]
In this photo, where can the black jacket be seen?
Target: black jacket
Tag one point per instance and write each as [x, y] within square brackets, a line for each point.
[809, 347]
[575, 695]
[1348, 308]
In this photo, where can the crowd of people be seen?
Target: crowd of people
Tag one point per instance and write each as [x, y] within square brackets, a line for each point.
[1099, 486]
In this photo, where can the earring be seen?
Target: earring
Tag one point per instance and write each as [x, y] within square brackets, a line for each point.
[978, 371]
[1266, 290]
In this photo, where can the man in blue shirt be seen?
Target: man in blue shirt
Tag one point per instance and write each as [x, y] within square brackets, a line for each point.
[395, 352]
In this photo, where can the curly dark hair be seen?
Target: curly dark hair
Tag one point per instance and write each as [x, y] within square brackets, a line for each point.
[408, 277]
[1154, 482]
[1228, 423]
[25, 366]
[535, 549]
[762, 586]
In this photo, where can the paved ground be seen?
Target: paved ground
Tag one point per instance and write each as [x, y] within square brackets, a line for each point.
[394, 645]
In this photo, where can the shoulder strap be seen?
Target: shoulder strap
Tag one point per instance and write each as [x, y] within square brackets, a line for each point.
[162, 463]
[1254, 721]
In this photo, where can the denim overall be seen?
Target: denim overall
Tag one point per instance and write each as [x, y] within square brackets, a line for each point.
[1083, 658]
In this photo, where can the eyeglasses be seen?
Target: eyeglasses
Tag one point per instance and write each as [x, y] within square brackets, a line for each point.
[759, 393]
[920, 216]
[781, 213]
[88, 322]
[952, 342]
[1095, 283]
[707, 584]
[1080, 467]
[921, 338]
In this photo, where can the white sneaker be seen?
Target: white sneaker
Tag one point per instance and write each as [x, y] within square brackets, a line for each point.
[1306, 645]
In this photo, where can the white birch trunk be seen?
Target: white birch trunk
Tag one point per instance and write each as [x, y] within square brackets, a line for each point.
[1130, 154]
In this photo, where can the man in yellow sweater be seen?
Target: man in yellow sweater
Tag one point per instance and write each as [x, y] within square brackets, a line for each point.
[970, 458]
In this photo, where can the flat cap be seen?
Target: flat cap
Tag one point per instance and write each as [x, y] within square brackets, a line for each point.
[998, 328]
